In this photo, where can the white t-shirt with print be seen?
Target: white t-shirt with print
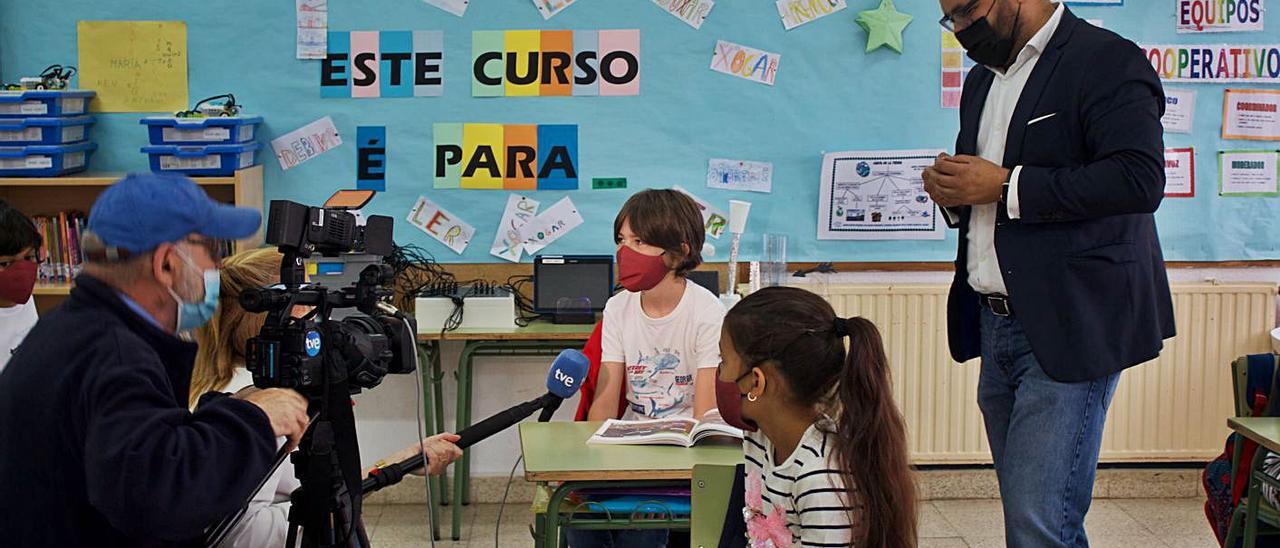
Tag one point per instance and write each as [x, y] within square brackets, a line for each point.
[661, 356]
[15, 322]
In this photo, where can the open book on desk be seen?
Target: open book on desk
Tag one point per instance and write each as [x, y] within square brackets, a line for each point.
[674, 431]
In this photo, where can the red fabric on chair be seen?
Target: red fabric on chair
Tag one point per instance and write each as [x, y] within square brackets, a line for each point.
[593, 351]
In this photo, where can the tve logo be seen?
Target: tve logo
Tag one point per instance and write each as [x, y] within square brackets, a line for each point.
[506, 157]
[555, 63]
[313, 343]
[383, 64]
[564, 379]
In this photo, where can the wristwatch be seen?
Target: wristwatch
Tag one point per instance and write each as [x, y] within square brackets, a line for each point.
[1004, 193]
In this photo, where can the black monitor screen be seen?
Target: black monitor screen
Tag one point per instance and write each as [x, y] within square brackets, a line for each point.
[567, 284]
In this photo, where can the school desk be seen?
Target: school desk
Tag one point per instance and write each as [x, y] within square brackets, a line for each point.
[557, 452]
[1266, 432]
[539, 338]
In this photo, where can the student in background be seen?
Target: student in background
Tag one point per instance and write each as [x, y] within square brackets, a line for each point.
[19, 242]
[828, 464]
[660, 335]
[220, 367]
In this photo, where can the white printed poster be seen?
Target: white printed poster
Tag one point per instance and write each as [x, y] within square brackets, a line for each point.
[744, 62]
[550, 225]
[445, 227]
[798, 12]
[313, 28]
[715, 220]
[692, 12]
[507, 243]
[877, 195]
[549, 8]
[1197, 16]
[456, 7]
[1180, 172]
[740, 175]
[1252, 114]
[1248, 172]
[1179, 110]
[305, 143]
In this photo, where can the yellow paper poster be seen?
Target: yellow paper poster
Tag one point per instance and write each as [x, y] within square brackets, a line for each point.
[486, 141]
[521, 46]
[135, 66]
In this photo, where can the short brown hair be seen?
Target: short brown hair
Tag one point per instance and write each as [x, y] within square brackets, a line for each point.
[668, 219]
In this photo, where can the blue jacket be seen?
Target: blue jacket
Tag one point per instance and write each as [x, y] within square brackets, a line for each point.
[97, 447]
[1083, 265]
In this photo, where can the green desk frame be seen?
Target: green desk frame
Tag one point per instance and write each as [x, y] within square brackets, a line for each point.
[537, 339]
[1266, 432]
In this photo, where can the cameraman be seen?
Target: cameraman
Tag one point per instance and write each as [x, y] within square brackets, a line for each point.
[99, 446]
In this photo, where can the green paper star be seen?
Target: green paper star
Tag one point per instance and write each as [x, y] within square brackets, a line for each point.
[884, 26]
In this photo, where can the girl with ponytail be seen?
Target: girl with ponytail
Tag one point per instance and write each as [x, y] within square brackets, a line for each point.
[828, 463]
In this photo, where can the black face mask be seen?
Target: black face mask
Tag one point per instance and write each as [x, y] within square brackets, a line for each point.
[986, 47]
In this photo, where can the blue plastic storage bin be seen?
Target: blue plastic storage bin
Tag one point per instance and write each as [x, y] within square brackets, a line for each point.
[203, 160]
[44, 131]
[45, 160]
[169, 130]
[44, 103]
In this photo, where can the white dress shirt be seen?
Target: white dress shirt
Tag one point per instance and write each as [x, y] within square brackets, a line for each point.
[993, 131]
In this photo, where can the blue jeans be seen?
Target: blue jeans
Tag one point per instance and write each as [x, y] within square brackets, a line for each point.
[640, 538]
[1044, 438]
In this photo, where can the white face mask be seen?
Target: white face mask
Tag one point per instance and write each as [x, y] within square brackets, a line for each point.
[195, 315]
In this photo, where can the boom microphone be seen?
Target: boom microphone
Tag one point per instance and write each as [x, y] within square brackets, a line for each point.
[563, 381]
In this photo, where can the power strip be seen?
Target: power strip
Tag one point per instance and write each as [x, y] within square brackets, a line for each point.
[482, 308]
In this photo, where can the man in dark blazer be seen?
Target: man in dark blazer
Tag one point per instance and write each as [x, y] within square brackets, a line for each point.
[1060, 283]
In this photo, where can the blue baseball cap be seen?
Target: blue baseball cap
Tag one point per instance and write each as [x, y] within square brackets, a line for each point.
[143, 210]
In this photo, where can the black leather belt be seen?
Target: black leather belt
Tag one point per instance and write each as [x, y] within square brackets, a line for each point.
[997, 304]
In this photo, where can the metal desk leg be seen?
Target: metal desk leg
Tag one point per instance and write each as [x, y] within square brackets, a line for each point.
[1255, 492]
[462, 468]
[428, 397]
[551, 521]
[441, 485]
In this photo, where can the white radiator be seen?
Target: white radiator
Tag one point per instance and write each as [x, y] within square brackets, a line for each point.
[1172, 409]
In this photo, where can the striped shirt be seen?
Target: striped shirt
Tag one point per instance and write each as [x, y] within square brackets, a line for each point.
[806, 487]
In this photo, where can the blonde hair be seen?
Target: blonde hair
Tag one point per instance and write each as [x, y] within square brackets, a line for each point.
[222, 340]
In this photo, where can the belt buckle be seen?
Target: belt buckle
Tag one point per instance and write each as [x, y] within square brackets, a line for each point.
[999, 306]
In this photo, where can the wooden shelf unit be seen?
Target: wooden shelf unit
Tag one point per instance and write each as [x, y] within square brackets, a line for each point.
[50, 195]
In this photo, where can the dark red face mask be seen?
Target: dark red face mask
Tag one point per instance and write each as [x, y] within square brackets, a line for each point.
[17, 280]
[729, 402]
[639, 272]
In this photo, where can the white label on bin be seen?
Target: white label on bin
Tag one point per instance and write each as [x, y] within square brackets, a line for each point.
[172, 134]
[73, 160]
[72, 106]
[29, 134]
[34, 107]
[245, 134]
[246, 159]
[212, 161]
[29, 162]
[71, 134]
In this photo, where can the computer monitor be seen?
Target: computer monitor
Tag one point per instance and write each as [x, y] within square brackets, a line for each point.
[572, 288]
[709, 279]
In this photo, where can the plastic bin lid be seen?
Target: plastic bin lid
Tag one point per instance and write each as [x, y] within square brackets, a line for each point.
[201, 150]
[47, 121]
[20, 94]
[18, 152]
[201, 122]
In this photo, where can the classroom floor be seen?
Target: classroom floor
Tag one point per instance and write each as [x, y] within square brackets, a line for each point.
[1167, 523]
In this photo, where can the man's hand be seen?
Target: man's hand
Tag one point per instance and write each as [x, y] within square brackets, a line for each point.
[964, 180]
[440, 451]
[286, 409]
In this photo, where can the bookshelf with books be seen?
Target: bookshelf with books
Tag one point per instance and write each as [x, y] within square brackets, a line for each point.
[59, 206]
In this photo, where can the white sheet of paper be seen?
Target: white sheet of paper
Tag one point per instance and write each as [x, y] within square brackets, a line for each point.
[798, 12]
[692, 12]
[740, 175]
[744, 62]
[1179, 172]
[306, 142]
[877, 195]
[456, 7]
[1249, 172]
[445, 227]
[713, 219]
[550, 225]
[313, 28]
[1252, 114]
[507, 243]
[1179, 110]
[549, 8]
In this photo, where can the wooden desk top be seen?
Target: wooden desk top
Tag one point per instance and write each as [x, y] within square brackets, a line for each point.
[1264, 430]
[558, 451]
[536, 331]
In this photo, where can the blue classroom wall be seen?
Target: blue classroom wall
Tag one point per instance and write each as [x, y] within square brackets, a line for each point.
[829, 96]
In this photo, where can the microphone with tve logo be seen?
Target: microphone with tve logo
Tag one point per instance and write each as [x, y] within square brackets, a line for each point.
[563, 381]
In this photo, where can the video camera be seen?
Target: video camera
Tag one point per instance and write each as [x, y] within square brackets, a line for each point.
[313, 351]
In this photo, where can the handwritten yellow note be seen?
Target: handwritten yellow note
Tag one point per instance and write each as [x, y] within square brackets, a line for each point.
[135, 66]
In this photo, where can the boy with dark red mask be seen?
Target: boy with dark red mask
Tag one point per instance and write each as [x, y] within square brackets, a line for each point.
[661, 335]
[19, 243]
